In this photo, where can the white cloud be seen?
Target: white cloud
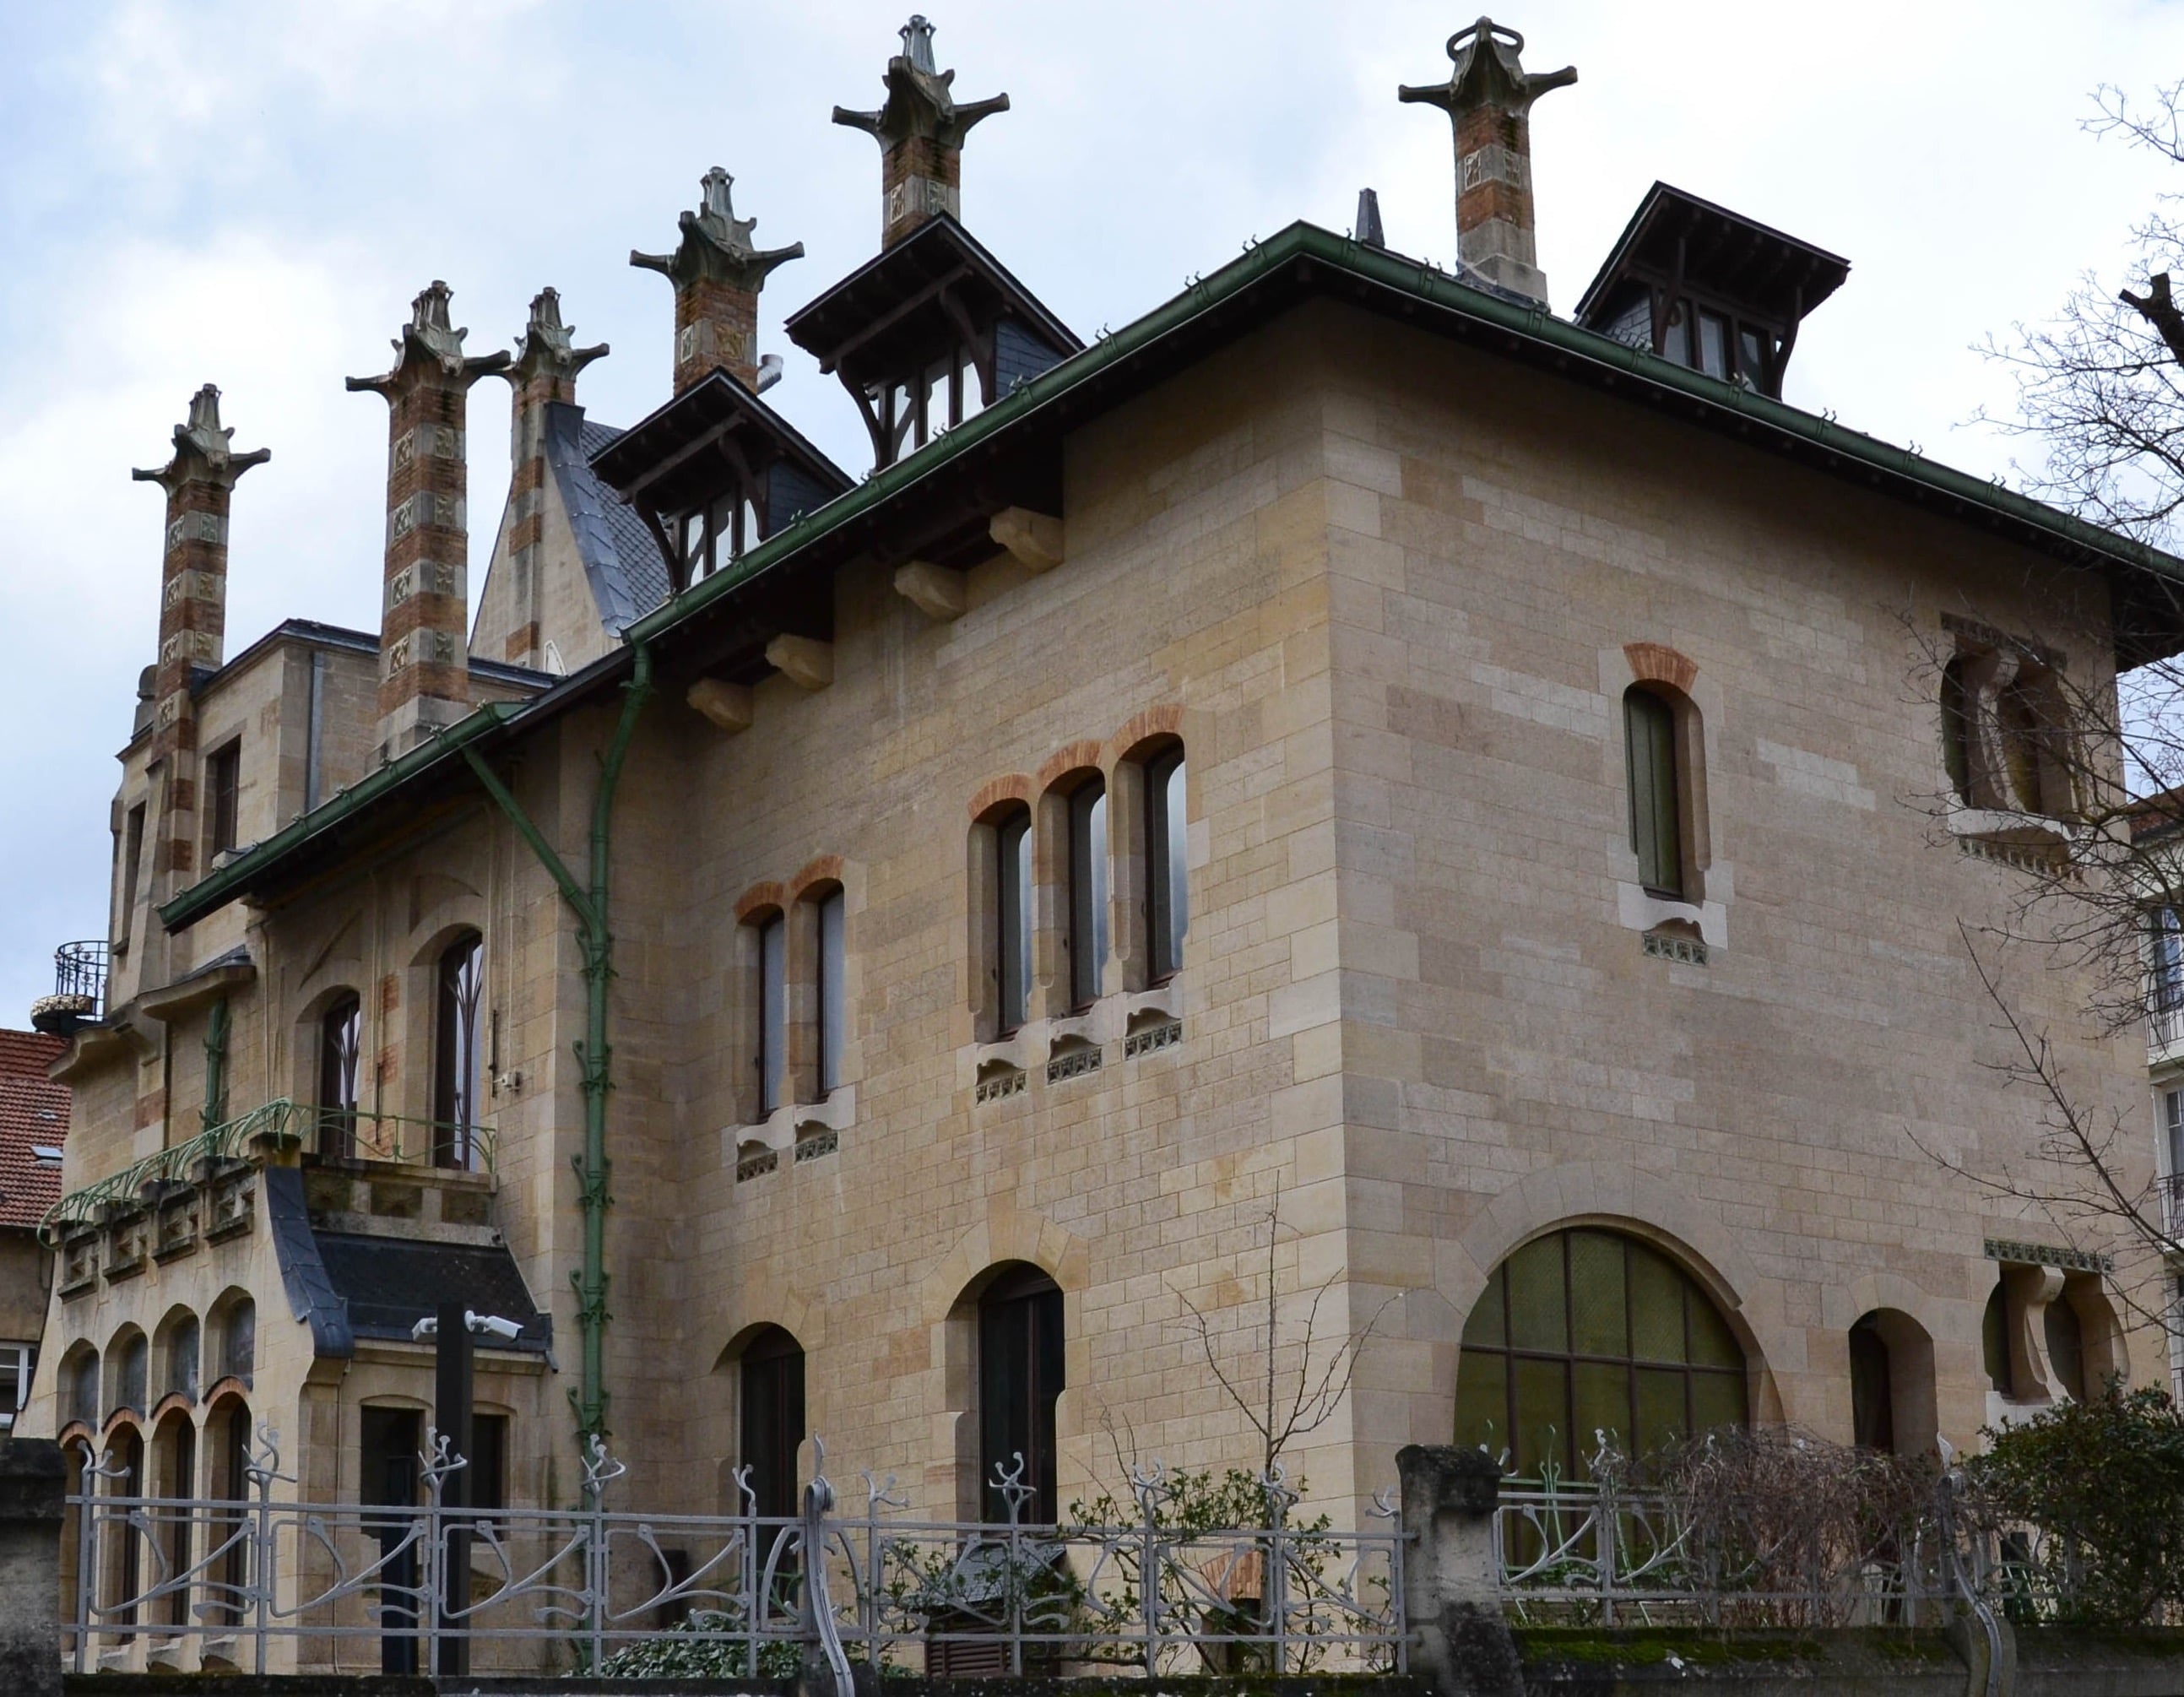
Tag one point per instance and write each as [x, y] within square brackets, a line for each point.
[249, 191]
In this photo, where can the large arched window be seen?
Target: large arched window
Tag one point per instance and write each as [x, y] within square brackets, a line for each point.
[1589, 1330]
[771, 1391]
[341, 1034]
[1020, 1374]
[455, 1056]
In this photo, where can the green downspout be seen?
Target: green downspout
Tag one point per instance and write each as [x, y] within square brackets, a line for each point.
[594, 1054]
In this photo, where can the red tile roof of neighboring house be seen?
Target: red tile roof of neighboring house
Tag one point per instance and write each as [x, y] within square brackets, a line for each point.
[34, 1111]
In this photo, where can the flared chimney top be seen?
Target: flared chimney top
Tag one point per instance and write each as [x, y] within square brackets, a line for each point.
[201, 450]
[717, 272]
[1487, 97]
[920, 130]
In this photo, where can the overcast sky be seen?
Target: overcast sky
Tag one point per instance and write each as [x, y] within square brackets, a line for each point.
[249, 195]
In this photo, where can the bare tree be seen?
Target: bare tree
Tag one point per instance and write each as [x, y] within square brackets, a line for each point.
[2100, 397]
[1284, 1391]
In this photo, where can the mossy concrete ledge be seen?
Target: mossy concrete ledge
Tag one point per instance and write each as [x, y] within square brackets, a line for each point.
[2052, 1661]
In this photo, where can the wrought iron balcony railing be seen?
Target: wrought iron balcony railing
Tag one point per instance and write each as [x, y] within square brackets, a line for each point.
[336, 1133]
[79, 988]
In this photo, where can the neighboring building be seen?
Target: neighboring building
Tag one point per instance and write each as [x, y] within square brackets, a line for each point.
[1349, 740]
[34, 1123]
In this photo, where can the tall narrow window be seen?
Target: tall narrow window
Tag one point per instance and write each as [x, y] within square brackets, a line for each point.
[770, 1392]
[1649, 737]
[455, 1139]
[1994, 1340]
[1168, 890]
[1020, 1374]
[231, 1465]
[488, 1468]
[1012, 917]
[341, 1031]
[17, 1361]
[133, 856]
[772, 1012]
[2066, 1346]
[833, 997]
[177, 1444]
[2172, 1134]
[1957, 727]
[2164, 973]
[182, 1351]
[238, 1341]
[82, 1383]
[130, 1365]
[223, 788]
[1872, 1388]
[1088, 891]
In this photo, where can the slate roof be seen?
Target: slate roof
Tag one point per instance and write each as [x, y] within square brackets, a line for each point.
[33, 1110]
[391, 1283]
[623, 563]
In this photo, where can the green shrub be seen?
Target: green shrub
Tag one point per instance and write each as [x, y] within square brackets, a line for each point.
[2103, 1480]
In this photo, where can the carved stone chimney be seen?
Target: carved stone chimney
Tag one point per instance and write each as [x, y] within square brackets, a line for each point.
[200, 483]
[1487, 97]
[424, 628]
[544, 370]
[717, 275]
[921, 131]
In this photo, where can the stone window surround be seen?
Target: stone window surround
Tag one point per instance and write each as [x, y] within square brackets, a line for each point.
[1635, 909]
[2007, 655]
[796, 898]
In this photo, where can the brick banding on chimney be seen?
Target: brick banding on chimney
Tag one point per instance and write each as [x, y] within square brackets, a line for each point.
[920, 130]
[717, 274]
[1487, 97]
[199, 481]
[424, 632]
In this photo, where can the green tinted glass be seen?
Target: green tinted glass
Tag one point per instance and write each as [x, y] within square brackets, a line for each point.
[1712, 1344]
[1598, 1313]
[1485, 1325]
[1536, 1316]
[1657, 1306]
[1542, 1414]
[1482, 1400]
[1717, 1399]
[1661, 1419]
[1603, 1405]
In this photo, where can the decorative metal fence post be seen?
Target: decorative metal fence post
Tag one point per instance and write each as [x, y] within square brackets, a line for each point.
[599, 1471]
[1274, 1581]
[262, 1467]
[1147, 1487]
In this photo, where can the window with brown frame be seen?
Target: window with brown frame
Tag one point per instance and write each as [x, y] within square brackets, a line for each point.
[341, 1036]
[223, 783]
[1652, 757]
[1020, 1376]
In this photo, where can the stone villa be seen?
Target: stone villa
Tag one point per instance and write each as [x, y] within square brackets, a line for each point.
[1351, 753]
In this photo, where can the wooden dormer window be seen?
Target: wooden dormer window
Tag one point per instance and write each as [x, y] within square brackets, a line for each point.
[708, 536]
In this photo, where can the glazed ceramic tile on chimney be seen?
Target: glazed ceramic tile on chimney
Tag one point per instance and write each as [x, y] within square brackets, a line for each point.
[424, 649]
[717, 275]
[921, 131]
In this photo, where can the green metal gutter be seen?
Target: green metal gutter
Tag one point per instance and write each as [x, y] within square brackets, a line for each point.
[594, 1055]
[210, 894]
[1405, 284]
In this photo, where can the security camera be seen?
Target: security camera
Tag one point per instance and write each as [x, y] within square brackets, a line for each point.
[493, 1326]
[425, 1329]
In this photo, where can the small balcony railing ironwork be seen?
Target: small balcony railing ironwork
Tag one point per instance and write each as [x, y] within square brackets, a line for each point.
[340, 1134]
[79, 988]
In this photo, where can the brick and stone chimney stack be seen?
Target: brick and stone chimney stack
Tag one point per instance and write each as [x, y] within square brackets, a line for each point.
[424, 629]
[717, 275]
[921, 131]
[544, 370]
[200, 483]
[1487, 97]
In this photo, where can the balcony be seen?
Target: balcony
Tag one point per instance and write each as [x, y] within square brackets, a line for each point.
[79, 995]
[280, 1132]
[2171, 1186]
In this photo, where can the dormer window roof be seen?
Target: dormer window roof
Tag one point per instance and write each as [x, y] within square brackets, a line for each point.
[1709, 289]
[714, 472]
[927, 333]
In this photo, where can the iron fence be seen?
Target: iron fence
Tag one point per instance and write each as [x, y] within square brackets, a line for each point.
[268, 1584]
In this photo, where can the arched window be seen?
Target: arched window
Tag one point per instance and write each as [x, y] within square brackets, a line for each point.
[1011, 918]
[1650, 741]
[1872, 1389]
[455, 1073]
[1994, 1341]
[226, 1538]
[238, 1340]
[1020, 1376]
[1088, 891]
[129, 1360]
[770, 1390]
[1958, 727]
[769, 980]
[824, 931]
[182, 1355]
[2066, 1347]
[341, 1036]
[1585, 1330]
[1168, 882]
[175, 1476]
[79, 1395]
